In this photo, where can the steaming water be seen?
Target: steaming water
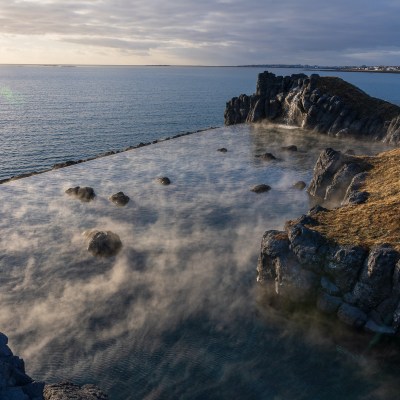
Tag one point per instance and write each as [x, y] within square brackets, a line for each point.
[50, 115]
[177, 314]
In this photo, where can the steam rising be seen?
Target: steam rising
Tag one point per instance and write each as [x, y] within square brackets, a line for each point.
[176, 313]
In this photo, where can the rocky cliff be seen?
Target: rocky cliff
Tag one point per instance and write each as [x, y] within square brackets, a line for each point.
[345, 260]
[323, 104]
[15, 384]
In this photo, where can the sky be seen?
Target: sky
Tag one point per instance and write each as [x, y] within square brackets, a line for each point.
[200, 32]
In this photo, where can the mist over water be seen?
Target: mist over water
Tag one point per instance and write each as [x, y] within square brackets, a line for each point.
[177, 313]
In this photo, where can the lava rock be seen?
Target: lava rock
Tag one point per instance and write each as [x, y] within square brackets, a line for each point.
[120, 199]
[300, 185]
[103, 243]
[222, 150]
[84, 194]
[164, 180]
[260, 188]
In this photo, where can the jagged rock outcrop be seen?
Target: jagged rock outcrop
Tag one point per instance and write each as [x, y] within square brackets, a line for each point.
[338, 178]
[15, 384]
[360, 284]
[323, 104]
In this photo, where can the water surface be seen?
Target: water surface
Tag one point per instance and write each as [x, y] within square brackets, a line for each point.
[177, 313]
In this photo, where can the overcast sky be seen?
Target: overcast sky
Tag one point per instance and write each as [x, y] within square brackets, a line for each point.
[205, 32]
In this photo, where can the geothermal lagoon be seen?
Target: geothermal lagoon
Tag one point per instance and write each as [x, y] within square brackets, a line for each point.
[178, 312]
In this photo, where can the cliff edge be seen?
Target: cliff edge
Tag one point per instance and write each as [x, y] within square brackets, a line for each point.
[345, 260]
[324, 104]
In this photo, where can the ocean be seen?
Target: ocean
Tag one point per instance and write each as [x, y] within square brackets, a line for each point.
[52, 114]
[177, 314]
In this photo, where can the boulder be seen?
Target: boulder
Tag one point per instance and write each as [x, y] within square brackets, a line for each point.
[84, 194]
[164, 180]
[260, 188]
[120, 199]
[222, 150]
[300, 185]
[103, 243]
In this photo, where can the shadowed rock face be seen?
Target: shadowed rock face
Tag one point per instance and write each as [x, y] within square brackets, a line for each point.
[323, 104]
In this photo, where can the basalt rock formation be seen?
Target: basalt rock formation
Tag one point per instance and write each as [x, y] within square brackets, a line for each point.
[15, 384]
[323, 104]
[358, 279]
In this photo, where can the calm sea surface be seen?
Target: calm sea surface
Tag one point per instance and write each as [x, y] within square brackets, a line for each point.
[54, 114]
[177, 314]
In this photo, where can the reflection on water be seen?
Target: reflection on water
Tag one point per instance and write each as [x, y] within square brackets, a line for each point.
[177, 314]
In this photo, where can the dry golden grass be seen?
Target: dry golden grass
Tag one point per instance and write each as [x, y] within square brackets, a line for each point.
[378, 220]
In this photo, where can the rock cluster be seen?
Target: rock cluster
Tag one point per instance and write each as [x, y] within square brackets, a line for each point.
[15, 384]
[323, 104]
[360, 285]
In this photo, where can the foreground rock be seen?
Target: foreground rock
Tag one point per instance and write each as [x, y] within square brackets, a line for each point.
[345, 261]
[15, 384]
[103, 243]
[120, 199]
[260, 188]
[85, 194]
[323, 104]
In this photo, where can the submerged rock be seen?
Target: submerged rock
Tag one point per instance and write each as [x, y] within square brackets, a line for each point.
[85, 194]
[222, 150]
[103, 243]
[300, 185]
[164, 180]
[267, 157]
[120, 199]
[260, 188]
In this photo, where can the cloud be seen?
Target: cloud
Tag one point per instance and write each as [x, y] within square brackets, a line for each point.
[214, 31]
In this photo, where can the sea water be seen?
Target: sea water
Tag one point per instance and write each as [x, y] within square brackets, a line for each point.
[51, 114]
[177, 314]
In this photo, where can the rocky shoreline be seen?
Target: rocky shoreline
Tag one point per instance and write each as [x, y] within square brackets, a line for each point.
[15, 384]
[106, 154]
[326, 105]
[320, 259]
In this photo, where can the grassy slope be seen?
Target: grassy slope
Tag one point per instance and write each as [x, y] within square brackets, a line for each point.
[378, 220]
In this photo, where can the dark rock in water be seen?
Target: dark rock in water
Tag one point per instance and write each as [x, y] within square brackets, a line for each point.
[352, 316]
[85, 194]
[222, 150]
[164, 180]
[103, 243]
[67, 390]
[261, 188]
[120, 199]
[300, 185]
[267, 157]
[291, 147]
[323, 104]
